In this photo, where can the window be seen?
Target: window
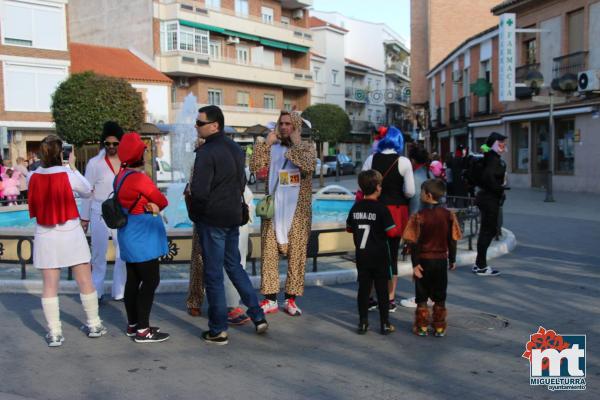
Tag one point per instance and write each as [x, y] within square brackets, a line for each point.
[334, 77]
[575, 26]
[316, 73]
[267, 15]
[485, 72]
[215, 49]
[34, 25]
[241, 7]
[530, 49]
[214, 4]
[269, 101]
[175, 37]
[286, 63]
[243, 99]
[287, 105]
[30, 87]
[215, 97]
[268, 58]
[565, 150]
[171, 36]
[377, 83]
[285, 20]
[520, 147]
[242, 55]
[369, 82]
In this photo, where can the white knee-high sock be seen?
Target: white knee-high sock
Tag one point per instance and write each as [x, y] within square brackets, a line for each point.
[90, 306]
[52, 314]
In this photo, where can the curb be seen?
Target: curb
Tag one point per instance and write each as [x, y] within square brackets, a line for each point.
[325, 278]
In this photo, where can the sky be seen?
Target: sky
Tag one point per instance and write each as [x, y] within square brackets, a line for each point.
[395, 13]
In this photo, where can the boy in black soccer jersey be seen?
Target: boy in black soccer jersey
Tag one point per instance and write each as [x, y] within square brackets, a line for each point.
[371, 224]
[432, 234]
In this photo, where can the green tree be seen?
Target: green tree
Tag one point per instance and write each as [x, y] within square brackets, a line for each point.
[330, 123]
[84, 102]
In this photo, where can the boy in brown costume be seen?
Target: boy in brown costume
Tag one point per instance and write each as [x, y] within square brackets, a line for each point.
[432, 234]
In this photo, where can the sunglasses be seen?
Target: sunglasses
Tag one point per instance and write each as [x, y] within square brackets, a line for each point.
[200, 124]
[111, 144]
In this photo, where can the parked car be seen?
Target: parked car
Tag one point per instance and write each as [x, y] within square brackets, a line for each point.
[346, 164]
[165, 174]
[326, 170]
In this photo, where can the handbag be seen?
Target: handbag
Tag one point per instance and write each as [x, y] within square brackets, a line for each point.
[112, 212]
[359, 196]
[265, 208]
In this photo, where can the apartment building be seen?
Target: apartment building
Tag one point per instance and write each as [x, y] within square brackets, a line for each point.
[438, 27]
[377, 46]
[562, 59]
[250, 57]
[34, 59]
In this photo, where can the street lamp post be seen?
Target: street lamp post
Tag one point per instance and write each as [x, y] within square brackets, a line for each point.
[549, 195]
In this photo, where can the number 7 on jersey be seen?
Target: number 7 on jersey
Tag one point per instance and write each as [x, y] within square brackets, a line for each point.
[365, 236]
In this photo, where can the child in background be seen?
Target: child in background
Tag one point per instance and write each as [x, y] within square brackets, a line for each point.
[11, 186]
[432, 234]
[371, 224]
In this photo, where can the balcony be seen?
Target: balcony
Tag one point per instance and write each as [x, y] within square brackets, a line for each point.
[440, 113]
[195, 64]
[356, 94]
[401, 70]
[240, 116]
[398, 97]
[570, 64]
[524, 70]
[361, 127]
[453, 112]
[195, 11]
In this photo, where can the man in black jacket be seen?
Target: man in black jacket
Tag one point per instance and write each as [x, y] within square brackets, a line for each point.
[489, 199]
[217, 188]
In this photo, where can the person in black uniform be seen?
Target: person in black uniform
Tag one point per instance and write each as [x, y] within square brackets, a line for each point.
[371, 224]
[489, 200]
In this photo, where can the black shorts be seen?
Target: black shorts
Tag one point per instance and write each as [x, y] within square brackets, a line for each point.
[434, 282]
[373, 272]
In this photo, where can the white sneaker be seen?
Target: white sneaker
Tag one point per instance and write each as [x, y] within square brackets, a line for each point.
[487, 271]
[410, 302]
[290, 307]
[94, 331]
[54, 340]
[269, 306]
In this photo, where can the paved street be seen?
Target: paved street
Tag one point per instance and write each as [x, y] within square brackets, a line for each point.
[551, 279]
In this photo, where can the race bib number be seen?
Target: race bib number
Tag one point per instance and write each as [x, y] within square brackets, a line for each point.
[289, 177]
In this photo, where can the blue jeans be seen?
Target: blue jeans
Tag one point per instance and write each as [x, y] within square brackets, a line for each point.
[220, 252]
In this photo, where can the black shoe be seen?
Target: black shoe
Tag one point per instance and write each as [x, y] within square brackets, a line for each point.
[220, 338]
[388, 328]
[393, 306]
[150, 336]
[362, 329]
[132, 330]
[261, 326]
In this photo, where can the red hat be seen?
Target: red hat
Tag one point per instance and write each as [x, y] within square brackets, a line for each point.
[131, 148]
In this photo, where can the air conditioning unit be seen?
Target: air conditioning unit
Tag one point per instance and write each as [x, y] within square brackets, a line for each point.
[183, 82]
[233, 40]
[588, 81]
[298, 14]
[456, 75]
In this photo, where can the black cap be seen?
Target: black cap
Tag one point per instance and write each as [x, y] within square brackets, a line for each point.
[111, 128]
[494, 136]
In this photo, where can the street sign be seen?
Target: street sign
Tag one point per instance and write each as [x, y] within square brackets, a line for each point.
[507, 56]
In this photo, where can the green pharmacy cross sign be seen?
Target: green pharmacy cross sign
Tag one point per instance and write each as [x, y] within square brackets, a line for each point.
[481, 87]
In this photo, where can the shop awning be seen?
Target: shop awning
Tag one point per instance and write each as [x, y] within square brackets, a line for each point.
[202, 26]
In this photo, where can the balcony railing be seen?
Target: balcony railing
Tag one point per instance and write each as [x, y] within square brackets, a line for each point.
[358, 126]
[464, 108]
[522, 71]
[570, 64]
[199, 8]
[356, 94]
[399, 68]
[254, 110]
[453, 112]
